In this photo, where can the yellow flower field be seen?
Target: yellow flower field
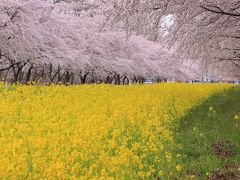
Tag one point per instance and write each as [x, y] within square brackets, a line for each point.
[94, 131]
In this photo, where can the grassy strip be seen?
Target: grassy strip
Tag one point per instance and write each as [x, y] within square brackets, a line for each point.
[210, 138]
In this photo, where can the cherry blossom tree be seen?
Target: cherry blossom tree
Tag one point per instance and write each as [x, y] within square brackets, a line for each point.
[83, 41]
[45, 41]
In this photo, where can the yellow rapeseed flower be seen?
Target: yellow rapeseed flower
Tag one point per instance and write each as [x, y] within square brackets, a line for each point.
[178, 167]
[237, 117]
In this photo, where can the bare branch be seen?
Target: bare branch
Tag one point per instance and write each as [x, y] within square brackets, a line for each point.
[218, 10]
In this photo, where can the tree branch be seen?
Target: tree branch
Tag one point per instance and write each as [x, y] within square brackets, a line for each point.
[220, 11]
[234, 37]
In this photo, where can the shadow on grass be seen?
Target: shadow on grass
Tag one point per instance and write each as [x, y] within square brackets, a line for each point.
[210, 138]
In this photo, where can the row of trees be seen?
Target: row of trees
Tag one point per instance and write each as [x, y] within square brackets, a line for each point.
[56, 39]
[42, 40]
[25, 72]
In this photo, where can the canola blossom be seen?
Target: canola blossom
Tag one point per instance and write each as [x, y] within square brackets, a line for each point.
[94, 131]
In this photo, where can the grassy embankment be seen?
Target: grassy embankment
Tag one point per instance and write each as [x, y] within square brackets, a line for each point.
[210, 138]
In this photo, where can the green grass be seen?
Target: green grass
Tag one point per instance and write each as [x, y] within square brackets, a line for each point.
[205, 125]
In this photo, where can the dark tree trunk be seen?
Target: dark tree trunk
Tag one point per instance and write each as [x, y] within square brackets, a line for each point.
[28, 75]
